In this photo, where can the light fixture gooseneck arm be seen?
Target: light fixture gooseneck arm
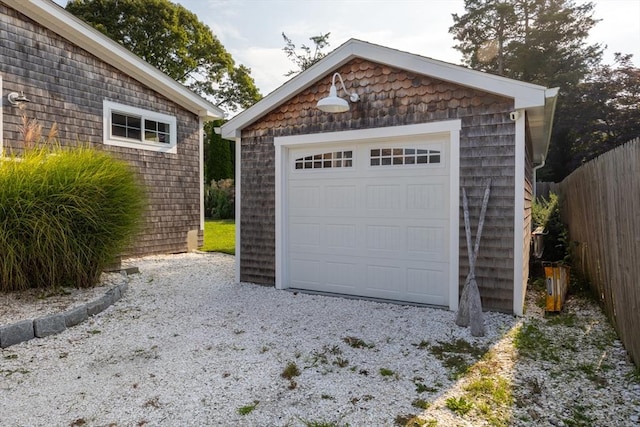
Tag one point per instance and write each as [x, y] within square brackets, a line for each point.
[352, 96]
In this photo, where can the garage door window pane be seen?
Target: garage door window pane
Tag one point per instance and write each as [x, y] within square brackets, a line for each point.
[335, 159]
[404, 156]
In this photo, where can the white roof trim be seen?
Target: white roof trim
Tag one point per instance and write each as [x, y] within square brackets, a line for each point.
[57, 19]
[525, 95]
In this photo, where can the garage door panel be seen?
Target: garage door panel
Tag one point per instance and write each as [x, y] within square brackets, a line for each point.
[305, 235]
[341, 236]
[383, 197]
[429, 283]
[371, 231]
[341, 197]
[306, 273]
[427, 242]
[383, 237]
[341, 276]
[430, 199]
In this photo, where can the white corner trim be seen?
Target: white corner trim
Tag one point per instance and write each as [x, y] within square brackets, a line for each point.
[281, 172]
[283, 144]
[518, 215]
[201, 168]
[454, 218]
[238, 184]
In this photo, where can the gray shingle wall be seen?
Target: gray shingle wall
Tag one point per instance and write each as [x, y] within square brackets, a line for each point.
[66, 86]
[392, 97]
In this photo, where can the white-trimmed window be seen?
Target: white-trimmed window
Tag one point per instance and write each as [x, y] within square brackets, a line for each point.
[333, 159]
[404, 156]
[132, 127]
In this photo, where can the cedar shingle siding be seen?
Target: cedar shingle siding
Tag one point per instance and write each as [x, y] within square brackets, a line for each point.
[393, 97]
[66, 86]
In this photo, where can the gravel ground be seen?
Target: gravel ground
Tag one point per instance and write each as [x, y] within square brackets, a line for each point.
[186, 346]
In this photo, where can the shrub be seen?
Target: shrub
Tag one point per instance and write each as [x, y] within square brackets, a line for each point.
[64, 215]
[546, 213]
[219, 199]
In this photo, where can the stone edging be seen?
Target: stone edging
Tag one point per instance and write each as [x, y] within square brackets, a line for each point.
[41, 327]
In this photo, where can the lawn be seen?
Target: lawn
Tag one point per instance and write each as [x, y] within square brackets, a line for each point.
[219, 236]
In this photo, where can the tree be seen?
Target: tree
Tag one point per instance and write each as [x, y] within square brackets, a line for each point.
[536, 41]
[218, 162]
[305, 59]
[172, 39]
[607, 111]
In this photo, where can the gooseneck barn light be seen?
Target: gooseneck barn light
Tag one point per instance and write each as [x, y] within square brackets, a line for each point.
[334, 104]
[17, 99]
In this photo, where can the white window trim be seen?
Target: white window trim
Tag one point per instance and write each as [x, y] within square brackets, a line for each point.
[108, 107]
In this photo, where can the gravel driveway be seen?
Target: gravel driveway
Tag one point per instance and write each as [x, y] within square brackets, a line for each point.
[186, 346]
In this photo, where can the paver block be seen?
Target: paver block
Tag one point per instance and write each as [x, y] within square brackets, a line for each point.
[124, 287]
[114, 294]
[16, 333]
[75, 316]
[99, 305]
[49, 325]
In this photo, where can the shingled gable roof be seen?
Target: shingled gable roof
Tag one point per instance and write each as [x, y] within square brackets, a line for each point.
[538, 101]
[57, 19]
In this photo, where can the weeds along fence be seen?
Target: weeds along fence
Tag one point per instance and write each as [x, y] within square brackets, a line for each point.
[601, 205]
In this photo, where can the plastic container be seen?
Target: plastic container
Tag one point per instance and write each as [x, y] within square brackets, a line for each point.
[557, 280]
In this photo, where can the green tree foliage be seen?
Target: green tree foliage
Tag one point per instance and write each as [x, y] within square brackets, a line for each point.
[541, 42]
[536, 41]
[172, 39]
[609, 113]
[218, 161]
[306, 58]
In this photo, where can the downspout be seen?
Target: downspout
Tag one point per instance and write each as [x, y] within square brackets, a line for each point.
[535, 177]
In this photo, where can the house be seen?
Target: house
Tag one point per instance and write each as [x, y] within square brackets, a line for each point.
[367, 202]
[98, 92]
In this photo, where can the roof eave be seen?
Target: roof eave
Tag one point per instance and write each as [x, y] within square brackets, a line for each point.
[58, 20]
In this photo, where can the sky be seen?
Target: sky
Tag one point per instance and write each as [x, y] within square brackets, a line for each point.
[251, 30]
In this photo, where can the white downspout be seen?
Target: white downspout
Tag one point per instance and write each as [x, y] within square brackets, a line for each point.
[535, 177]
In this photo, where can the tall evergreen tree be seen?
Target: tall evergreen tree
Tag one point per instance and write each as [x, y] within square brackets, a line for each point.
[536, 41]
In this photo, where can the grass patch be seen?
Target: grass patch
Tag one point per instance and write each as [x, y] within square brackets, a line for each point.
[219, 236]
[357, 342]
[457, 356]
[459, 405]
[385, 372]
[247, 409]
[531, 342]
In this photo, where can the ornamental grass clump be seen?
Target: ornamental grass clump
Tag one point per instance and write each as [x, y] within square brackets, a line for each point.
[65, 214]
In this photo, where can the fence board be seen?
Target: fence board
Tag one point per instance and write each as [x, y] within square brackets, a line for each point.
[601, 205]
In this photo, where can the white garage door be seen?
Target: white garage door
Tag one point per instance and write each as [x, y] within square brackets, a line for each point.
[370, 219]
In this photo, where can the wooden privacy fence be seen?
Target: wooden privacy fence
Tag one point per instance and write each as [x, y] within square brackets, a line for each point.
[601, 205]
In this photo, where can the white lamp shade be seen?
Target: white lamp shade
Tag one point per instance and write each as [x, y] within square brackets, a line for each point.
[333, 104]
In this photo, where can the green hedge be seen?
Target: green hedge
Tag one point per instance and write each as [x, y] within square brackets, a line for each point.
[219, 199]
[65, 214]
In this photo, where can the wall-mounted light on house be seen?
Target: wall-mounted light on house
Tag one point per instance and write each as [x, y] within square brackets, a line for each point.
[334, 104]
[17, 99]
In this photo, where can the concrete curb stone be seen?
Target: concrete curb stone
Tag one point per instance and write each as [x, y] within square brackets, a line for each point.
[16, 333]
[41, 327]
[49, 325]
